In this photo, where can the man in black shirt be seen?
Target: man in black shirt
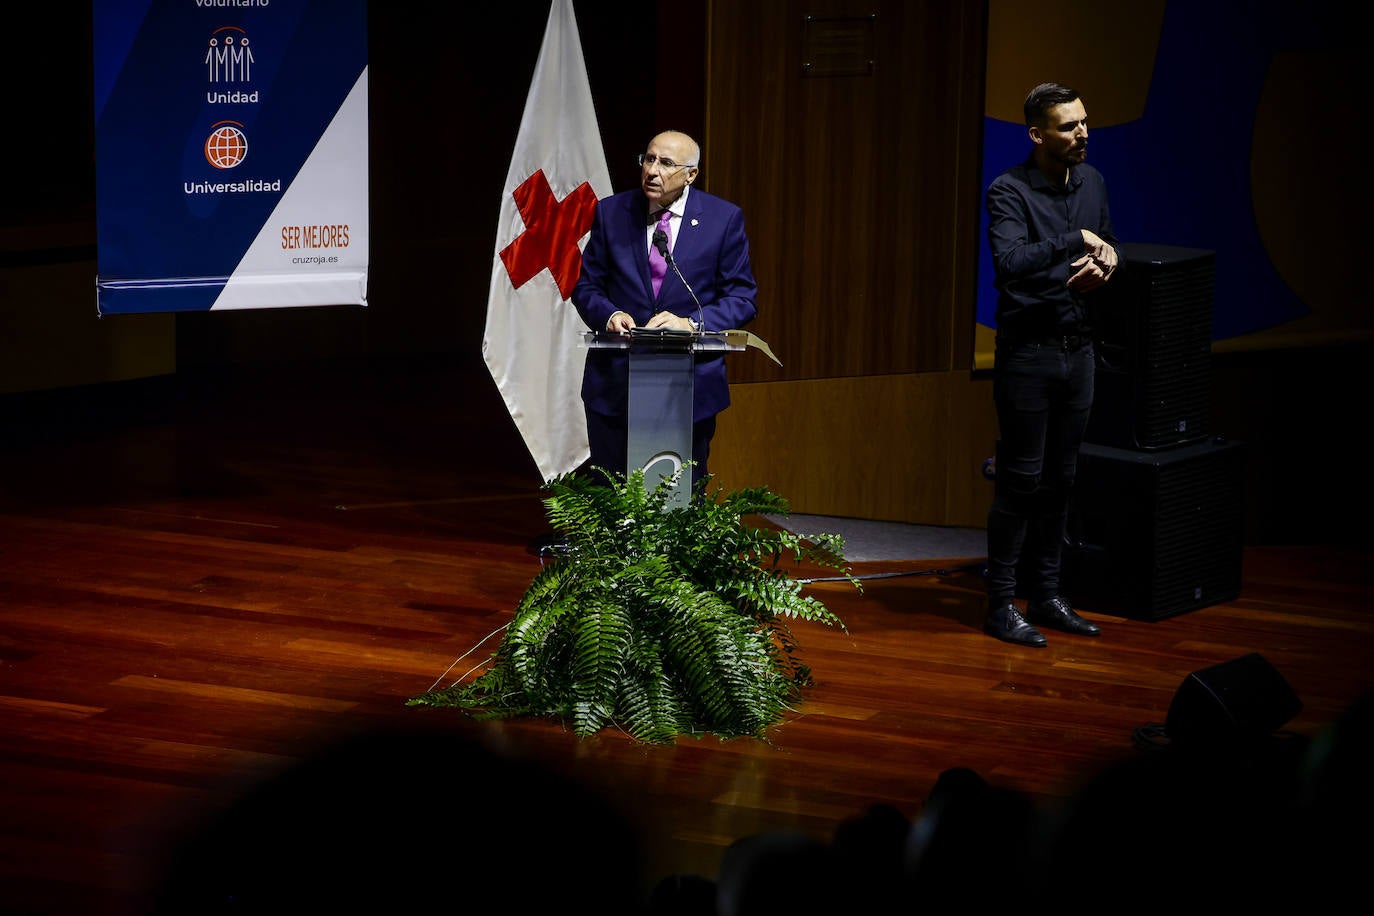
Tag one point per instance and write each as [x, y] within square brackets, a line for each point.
[1052, 244]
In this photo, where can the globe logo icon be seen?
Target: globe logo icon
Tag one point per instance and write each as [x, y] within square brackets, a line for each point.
[226, 146]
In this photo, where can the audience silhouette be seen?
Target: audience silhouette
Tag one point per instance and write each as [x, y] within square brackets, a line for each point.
[1335, 806]
[973, 842]
[1210, 828]
[1250, 821]
[394, 822]
[780, 872]
[408, 822]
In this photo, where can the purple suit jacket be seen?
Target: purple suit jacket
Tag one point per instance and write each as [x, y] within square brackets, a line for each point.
[712, 252]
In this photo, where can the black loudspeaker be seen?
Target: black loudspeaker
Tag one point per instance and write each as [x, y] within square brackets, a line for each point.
[1240, 700]
[1154, 534]
[1152, 330]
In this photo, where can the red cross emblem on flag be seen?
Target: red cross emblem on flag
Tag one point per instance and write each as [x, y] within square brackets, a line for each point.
[552, 230]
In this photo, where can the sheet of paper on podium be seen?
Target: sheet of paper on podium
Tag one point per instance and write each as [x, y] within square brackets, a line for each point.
[747, 339]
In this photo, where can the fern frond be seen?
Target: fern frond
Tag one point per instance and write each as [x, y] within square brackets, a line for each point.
[600, 636]
[660, 619]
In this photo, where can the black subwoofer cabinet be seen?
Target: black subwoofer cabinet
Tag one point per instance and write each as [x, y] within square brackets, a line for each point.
[1153, 534]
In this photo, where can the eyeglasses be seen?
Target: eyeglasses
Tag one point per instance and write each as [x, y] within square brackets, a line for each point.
[648, 161]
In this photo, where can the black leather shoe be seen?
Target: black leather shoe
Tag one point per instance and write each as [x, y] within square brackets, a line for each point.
[1055, 612]
[1007, 624]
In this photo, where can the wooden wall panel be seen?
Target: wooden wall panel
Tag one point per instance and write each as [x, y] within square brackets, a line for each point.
[862, 199]
[905, 448]
[860, 191]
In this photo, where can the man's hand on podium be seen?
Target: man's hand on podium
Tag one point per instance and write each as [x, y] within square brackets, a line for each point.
[622, 323]
[670, 321]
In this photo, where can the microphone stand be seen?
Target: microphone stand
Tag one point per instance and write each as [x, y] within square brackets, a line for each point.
[661, 243]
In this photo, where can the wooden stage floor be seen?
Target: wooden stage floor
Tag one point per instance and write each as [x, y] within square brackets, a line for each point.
[205, 582]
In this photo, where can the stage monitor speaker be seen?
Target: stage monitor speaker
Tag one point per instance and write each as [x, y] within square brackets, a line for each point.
[1152, 330]
[1154, 534]
[1239, 700]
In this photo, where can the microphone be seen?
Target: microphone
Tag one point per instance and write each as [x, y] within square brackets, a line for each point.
[661, 243]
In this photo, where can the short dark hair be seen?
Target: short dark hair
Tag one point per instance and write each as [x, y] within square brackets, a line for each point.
[1042, 98]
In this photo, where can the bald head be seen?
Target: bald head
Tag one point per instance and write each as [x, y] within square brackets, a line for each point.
[681, 142]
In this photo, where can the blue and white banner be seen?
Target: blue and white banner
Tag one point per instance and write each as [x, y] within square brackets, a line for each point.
[231, 154]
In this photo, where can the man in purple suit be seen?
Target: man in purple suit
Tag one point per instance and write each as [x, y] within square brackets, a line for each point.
[620, 288]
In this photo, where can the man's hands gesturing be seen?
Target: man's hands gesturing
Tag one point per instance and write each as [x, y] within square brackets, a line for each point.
[1096, 265]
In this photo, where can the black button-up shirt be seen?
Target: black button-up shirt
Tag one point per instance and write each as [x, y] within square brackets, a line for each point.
[1034, 233]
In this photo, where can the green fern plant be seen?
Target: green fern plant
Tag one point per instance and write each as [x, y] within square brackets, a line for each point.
[656, 619]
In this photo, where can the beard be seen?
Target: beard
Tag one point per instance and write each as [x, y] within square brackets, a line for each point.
[1074, 155]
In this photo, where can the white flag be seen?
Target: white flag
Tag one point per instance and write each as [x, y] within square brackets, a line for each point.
[532, 344]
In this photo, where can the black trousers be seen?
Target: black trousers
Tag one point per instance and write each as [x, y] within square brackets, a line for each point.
[1043, 392]
[608, 437]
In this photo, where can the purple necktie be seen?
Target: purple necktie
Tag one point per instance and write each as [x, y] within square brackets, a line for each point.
[657, 265]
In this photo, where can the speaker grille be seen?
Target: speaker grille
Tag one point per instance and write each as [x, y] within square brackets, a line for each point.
[1175, 375]
[1154, 534]
[1197, 543]
[1153, 329]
